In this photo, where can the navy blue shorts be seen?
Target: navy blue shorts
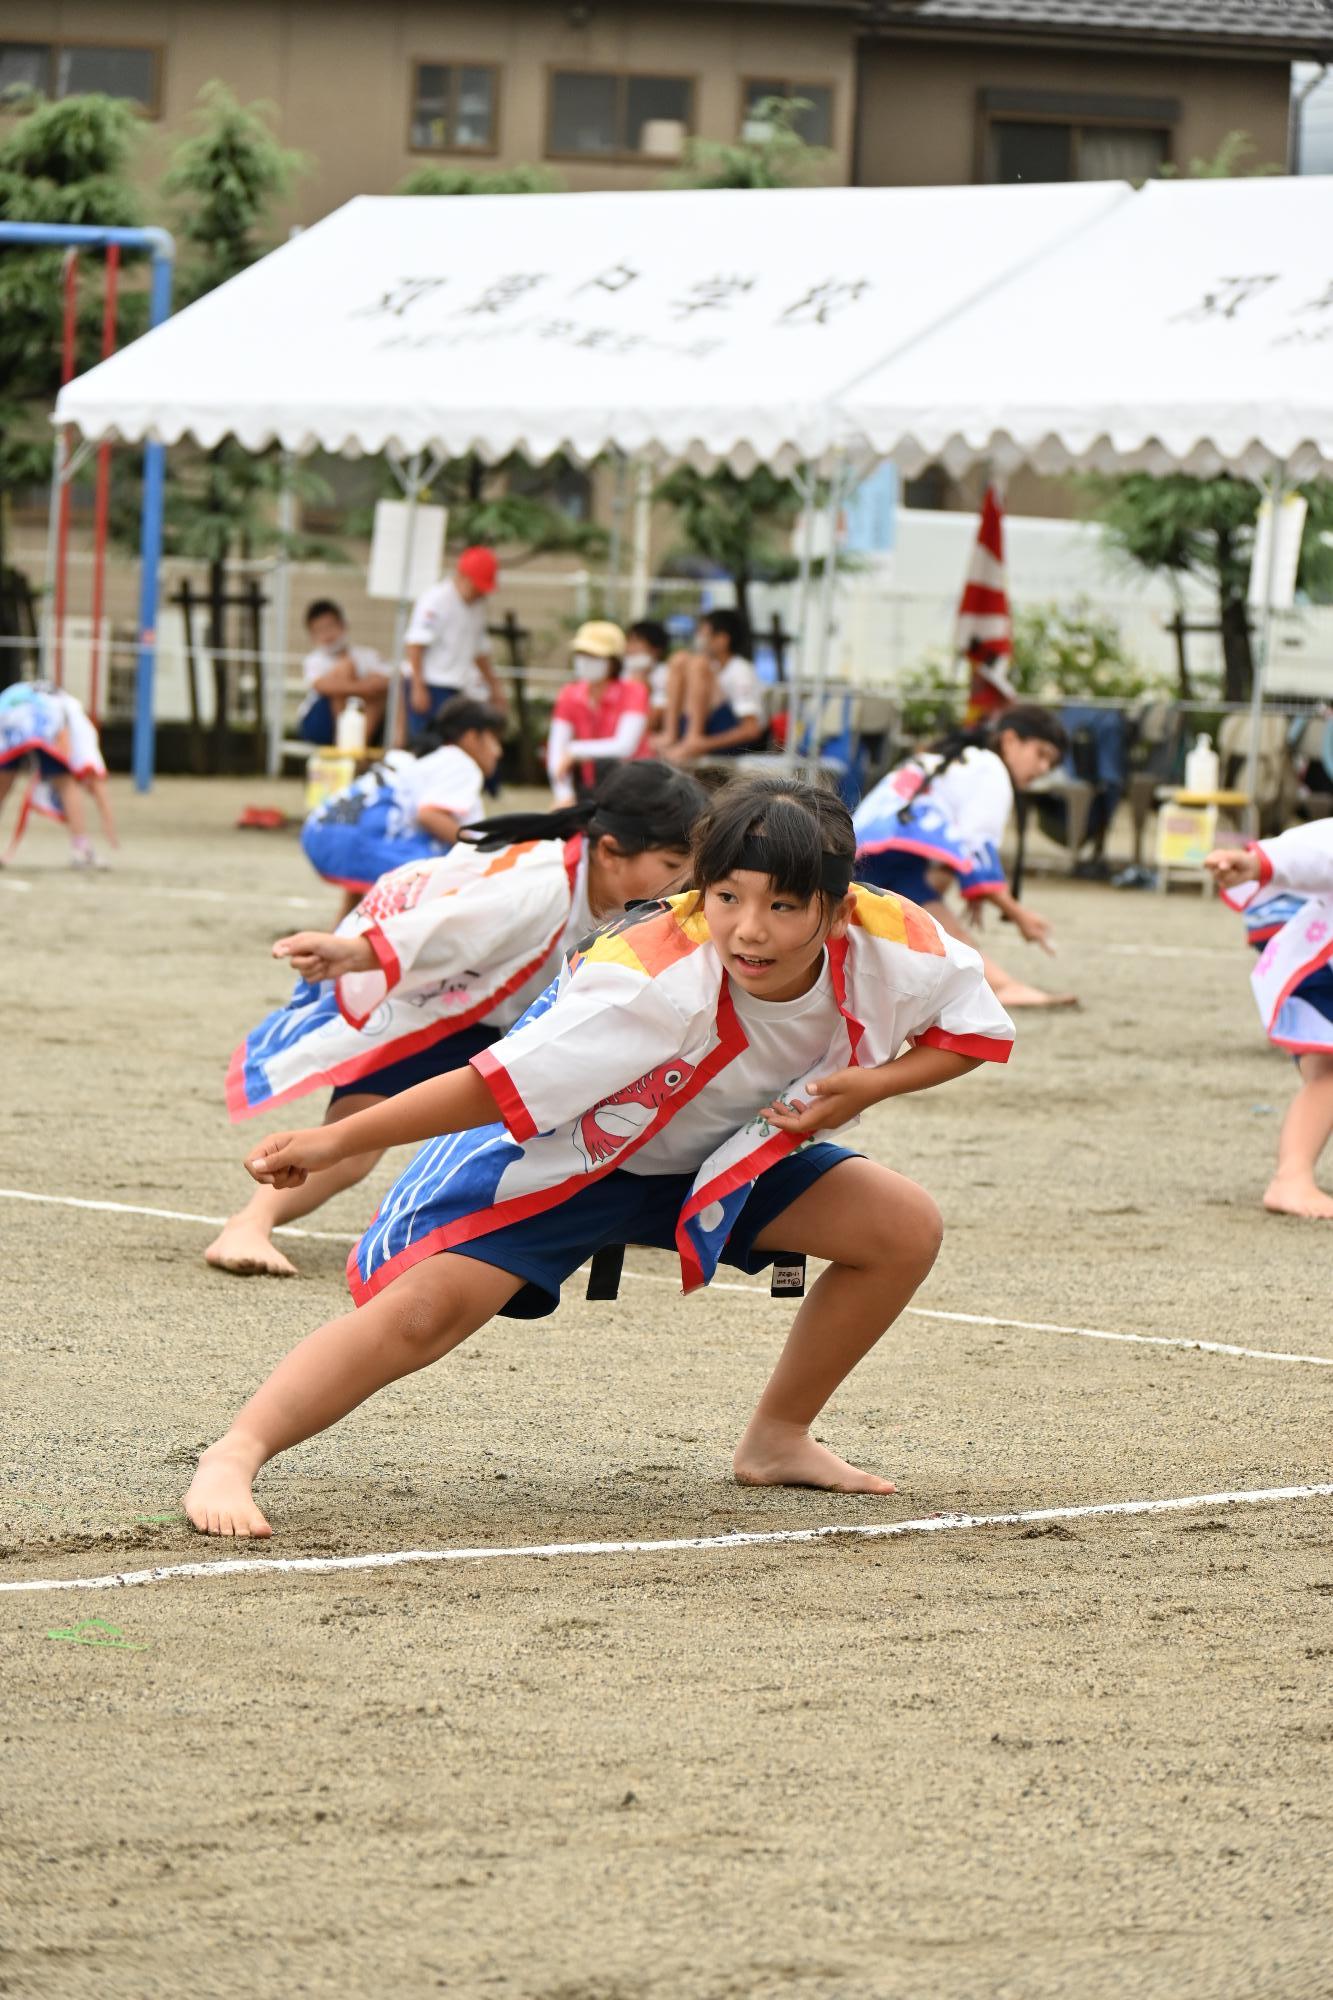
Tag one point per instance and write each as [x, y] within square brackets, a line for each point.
[317, 725]
[449, 1053]
[546, 1249]
[901, 874]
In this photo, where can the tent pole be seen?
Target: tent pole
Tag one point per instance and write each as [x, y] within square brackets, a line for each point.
[409, 478]
[280, 614]
[642, 540]
[827, 586]
[58, 476]
[804, 483]
[1276, 491]
[616, 541]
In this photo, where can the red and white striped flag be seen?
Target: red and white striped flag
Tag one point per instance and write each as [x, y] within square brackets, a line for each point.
[985, 634]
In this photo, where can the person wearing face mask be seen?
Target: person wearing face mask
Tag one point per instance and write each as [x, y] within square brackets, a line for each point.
[647, 657]
[600, 716]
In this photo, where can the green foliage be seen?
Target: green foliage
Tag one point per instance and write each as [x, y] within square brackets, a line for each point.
[735, 522]
[1061, 653]
[780, 158]
[59, 163]
[473, 180]
[1072, 653]
[1223, 165]
[226, 179]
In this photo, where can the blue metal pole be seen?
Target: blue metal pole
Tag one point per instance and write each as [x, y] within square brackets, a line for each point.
[92, 236]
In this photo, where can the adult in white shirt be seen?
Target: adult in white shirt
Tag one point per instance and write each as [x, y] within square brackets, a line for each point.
[335, 671]
[715, 699]
[448, 648]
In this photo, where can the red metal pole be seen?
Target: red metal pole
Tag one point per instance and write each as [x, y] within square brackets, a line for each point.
[67, 350]
[103, 492]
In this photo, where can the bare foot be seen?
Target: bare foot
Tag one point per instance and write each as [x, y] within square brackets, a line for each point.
[219, 1501]
[772, 1454]
[244, 1247]
[1295, 1195]
[1015, 994]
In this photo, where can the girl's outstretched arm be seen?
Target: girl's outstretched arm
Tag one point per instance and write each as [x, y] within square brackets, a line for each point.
[458, 1102]
[835, 1100]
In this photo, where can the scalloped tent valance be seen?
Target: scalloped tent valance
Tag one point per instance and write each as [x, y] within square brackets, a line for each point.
[1189, 328]
[710, 327]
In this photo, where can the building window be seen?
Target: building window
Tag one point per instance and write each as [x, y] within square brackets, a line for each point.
[1053, 152]
[453, 107]
[1052, 135]
[595, 115]
[814, 122]
[74, 69]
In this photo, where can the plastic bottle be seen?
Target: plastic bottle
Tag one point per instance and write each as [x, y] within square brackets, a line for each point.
[1202, 769]
[352, 725]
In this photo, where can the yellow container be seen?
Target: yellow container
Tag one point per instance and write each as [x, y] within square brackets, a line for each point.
[327, 772]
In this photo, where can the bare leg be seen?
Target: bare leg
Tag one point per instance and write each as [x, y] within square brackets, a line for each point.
[245, 1245]
[70, 794]
[430, 1309]
[7, 777]
[701, 687]
[881, 1233]
[374, 705]
[1306, 1130]
[673, 713]
[1010, 992]
[101, 792]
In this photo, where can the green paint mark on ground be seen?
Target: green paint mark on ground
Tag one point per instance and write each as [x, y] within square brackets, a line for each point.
[95, 1632]
[153, 1519]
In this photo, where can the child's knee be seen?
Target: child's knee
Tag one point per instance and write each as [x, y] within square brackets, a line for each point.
[914, 1233]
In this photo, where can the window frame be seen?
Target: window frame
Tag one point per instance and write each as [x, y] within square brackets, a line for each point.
[617, 158]
[132, 45]
[455, 63]
[794, 87]
[1079, 111]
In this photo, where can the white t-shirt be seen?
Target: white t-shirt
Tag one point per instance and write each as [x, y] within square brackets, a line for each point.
[453, 634]
[976, 792]
[787, 1038]
[319, 662]
[446, 779]
[741, 688]
[578, 924]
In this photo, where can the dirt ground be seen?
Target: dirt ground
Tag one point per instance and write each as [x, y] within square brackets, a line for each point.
[1076, 1758]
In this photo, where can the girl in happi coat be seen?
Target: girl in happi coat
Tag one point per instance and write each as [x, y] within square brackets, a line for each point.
[407, 808]
[48, 733]
[1284, 887]
[670, 1089]
[437, 962]
[940, 818]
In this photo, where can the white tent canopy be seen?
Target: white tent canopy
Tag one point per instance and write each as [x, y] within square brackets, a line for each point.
[1189, 327]
[705, 326]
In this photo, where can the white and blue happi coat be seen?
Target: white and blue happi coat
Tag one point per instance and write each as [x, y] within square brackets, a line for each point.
[1290, 908]
[467, 938]
[638, 1024]
[952, 815]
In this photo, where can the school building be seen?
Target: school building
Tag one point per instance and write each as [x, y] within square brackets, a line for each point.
[605, 92]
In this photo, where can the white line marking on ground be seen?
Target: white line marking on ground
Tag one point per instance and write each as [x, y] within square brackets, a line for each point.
[19, 888]
[725, 1285]
[869, 1531]
[1045, 1326]
[163, 892]
[1236, 951]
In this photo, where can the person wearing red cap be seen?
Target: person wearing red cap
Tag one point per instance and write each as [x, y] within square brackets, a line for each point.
[448, 648]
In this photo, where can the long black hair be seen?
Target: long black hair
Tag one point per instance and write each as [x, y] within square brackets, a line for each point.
[641, 805]
[799, 834]
[1029, 723]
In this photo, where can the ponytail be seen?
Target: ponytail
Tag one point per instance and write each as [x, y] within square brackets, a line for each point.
[1028, 722]
[640, 806]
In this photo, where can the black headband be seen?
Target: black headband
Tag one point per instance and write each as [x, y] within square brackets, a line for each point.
[835, 870]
